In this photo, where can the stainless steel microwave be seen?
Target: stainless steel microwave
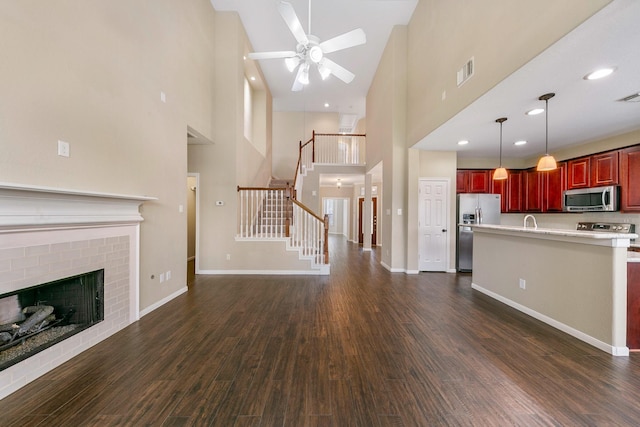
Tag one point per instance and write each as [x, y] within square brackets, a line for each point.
[597, 199]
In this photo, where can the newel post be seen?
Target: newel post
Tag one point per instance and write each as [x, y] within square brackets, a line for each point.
[326, 239]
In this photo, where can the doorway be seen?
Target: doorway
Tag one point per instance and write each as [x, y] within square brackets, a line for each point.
[433, 224]
[192, 227]
[373, 219]
[338, 211]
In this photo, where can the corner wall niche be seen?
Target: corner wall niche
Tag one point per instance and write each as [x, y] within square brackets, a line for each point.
[55, 235]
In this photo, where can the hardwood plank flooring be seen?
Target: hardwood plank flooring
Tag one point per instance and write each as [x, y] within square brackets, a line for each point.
[362, 347]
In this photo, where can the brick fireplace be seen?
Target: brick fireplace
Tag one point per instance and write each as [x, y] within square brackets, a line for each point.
[50, 234]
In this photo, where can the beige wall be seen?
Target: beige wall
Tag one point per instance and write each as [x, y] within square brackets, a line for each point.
[386, 143]
[91, 73]
[501, 36]
[420, 63]
[581, 286]
[289, 129]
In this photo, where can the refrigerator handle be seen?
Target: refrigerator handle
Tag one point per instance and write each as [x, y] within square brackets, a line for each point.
[478, 215]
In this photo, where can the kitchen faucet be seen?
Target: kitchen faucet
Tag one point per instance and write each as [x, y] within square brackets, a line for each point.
[526, 217]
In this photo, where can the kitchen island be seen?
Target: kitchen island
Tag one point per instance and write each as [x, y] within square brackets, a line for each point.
[573, 280]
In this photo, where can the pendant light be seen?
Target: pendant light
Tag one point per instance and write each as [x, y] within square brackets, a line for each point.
[500, 173]
[547, 162]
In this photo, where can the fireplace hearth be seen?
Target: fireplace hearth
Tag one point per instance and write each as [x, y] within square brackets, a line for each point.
[38, 317]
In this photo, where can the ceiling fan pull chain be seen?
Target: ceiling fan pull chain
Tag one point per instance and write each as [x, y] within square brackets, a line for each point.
[309, 21]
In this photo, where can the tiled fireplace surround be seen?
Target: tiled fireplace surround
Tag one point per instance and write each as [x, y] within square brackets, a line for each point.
[48, 234]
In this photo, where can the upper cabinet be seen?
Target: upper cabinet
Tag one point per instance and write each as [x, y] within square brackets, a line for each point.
[579, 171]
[629, 179]
[604, 169]
[593, 171]
[472, 180]
[554, 184]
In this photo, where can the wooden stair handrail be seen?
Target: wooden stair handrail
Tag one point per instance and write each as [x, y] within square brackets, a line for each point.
[307, 210]
[263, 188]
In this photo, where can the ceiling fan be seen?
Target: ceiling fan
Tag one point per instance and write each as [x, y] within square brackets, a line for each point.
[310, 51]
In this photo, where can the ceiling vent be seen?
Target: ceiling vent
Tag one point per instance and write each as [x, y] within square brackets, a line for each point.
[465, 72]
[631, 98]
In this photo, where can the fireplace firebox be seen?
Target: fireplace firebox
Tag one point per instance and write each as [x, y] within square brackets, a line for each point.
[38, 317]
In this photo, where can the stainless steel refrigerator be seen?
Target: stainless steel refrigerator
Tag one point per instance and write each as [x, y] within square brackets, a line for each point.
[473, 209]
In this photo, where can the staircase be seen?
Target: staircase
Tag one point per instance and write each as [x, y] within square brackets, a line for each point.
[277, 209]
[271, 214]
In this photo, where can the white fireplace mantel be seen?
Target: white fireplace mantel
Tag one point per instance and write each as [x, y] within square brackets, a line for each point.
[47, 234]
[36, 207]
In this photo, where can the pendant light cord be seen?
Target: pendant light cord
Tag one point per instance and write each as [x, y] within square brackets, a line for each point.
[546, 127]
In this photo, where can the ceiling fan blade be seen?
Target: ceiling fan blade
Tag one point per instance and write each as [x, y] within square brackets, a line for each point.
[338, 71]
[292, 21]
[352, 38]
[297, 85]
[272, 55]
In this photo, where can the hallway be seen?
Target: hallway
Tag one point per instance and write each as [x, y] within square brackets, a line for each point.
[361, 347]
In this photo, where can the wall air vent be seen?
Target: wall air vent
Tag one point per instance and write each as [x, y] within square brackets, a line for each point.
[631, 98]
[465, 72]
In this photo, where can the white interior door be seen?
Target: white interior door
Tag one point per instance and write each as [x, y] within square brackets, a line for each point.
[433, 225]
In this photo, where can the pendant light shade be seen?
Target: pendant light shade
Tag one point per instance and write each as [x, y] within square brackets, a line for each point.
[500, 172]
[547, 162]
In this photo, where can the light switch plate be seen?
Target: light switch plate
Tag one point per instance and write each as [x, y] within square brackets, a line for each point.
[63, 148]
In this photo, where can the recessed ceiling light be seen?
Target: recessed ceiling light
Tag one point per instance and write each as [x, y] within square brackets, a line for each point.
[535, 112]
[463, 142]
[253, 79]
[326, 105]
[520, 142]
[598, 74]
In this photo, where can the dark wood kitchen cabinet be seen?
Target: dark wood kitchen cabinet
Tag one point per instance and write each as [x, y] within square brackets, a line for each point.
[473, 180]
[500, 187]
[630, 179]
[554, 183]
[578, 173]
[462, 181]
[532, 186]
[514, 191]
[633, 305]
[604, 169]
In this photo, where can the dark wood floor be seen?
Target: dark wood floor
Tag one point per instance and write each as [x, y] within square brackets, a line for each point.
[362, 347]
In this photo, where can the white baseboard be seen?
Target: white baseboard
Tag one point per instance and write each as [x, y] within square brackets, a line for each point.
[392, 270]
[615, 351]
[163, 301]
[320, 272]
[413, 271]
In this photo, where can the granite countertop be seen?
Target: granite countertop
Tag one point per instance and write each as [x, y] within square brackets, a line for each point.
[554, 231]
[632, 255]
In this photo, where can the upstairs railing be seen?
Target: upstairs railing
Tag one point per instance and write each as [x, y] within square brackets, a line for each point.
[271, 213]
[331, 149]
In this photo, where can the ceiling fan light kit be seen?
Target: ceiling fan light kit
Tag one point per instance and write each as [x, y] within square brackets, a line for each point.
[310, 50]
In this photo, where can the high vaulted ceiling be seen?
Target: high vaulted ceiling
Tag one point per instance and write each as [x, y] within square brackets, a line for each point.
[267, 31]
[582, 111]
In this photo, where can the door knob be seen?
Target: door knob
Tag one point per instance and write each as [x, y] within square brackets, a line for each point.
[444, 230]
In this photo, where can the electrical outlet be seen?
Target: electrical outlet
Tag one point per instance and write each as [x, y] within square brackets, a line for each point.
[228, 257]
[161, 277]
[168, 275]
[523, 284]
